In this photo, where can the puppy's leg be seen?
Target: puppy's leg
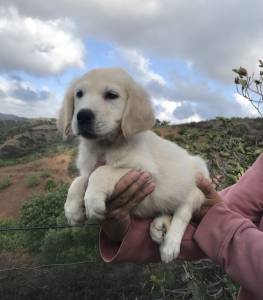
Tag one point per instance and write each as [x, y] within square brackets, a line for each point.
[170, 247]
[74, 205]
[159, 228]
[101, 185]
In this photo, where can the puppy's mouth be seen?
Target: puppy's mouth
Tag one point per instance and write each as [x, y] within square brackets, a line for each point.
[88, 135]
[87, 131]
[92, 135]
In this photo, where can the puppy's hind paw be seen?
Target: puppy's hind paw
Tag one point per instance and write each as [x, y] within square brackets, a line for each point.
[159, 227]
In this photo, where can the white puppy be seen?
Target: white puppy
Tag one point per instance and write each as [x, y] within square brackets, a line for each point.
[112, 115]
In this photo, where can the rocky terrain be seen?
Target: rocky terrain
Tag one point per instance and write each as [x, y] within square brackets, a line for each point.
[31, 139]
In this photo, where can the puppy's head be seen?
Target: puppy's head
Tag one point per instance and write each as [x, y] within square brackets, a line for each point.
[103, 103]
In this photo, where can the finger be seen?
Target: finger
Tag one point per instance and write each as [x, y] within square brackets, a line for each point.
[205, 186]
[147, 189]
[125, 181]
[120, 212]
[121, 199]
[129, 194]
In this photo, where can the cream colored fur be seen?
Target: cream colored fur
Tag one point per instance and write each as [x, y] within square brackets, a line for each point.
[125, 141]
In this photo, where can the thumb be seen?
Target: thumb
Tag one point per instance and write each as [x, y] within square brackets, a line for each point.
[206, 187]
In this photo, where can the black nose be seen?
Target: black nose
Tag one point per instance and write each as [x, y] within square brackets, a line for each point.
[85, 116]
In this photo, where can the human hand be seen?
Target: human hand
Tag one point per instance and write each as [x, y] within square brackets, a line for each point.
[212, 197]
[131, 189]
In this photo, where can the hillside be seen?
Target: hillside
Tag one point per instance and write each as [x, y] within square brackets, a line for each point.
[228, 145]
[32, 192]
[9, 128]
[6, 117]
[29, 179]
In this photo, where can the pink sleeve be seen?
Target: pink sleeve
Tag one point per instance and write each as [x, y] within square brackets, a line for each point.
[137, 245]
[231, 232]
[235, 243]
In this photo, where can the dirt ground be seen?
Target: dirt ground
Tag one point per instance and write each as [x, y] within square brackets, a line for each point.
[12, 197]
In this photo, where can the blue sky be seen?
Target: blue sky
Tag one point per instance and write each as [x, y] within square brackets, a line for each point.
[181, 51]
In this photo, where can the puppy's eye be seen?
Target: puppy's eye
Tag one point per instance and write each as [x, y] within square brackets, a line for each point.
[79, 94]
[110, 95]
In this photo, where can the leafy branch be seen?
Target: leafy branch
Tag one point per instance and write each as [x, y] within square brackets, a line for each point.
[251, 86]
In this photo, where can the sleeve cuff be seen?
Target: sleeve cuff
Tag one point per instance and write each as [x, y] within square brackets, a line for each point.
[136, 246]
[189, 249]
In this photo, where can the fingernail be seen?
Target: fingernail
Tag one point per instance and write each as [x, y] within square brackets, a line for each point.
[146, 176]
[135, 174]
[149, 188]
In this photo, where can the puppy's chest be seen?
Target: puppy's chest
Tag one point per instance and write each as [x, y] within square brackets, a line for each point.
[131, 160]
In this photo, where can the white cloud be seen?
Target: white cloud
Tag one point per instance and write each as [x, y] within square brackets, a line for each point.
[36, 46]
[246, 106]
[141, 66]
[214, 35]
[165, 109]
[45, 103]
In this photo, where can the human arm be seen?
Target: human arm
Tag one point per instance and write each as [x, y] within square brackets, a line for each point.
[231, 234]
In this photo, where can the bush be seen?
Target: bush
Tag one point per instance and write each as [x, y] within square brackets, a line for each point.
[42, 210]
[5, 183]
[10, 241]
[170, 137]
[32, 181]
[50, 185]
[56, 246]
[70, 245]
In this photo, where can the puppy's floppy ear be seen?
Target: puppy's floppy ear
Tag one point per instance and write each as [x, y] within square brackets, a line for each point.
[66, 112]
[138, 114]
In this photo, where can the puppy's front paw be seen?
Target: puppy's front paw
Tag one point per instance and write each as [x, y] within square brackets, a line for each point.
[169, 249]
[159, 227]
[74, 213]
[95, 207]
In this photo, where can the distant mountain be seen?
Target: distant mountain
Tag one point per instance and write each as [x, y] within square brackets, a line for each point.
[5, 117]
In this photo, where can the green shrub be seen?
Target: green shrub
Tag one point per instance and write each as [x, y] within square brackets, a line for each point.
[32, 181]
[170, 137]
[56, 245]
[5, 183]
[70, 245]
[50, 185]
[42, 210]
[10, 241]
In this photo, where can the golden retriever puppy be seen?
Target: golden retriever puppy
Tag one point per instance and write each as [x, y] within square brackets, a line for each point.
[112, 115]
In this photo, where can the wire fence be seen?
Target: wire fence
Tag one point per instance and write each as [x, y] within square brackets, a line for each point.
[43, 227]
[33, 268]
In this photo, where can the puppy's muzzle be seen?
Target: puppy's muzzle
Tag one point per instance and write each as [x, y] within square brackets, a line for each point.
[86, 119]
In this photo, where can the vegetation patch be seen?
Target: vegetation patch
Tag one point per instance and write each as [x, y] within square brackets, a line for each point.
[5, 182]
[50, 185]
[32, 181]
